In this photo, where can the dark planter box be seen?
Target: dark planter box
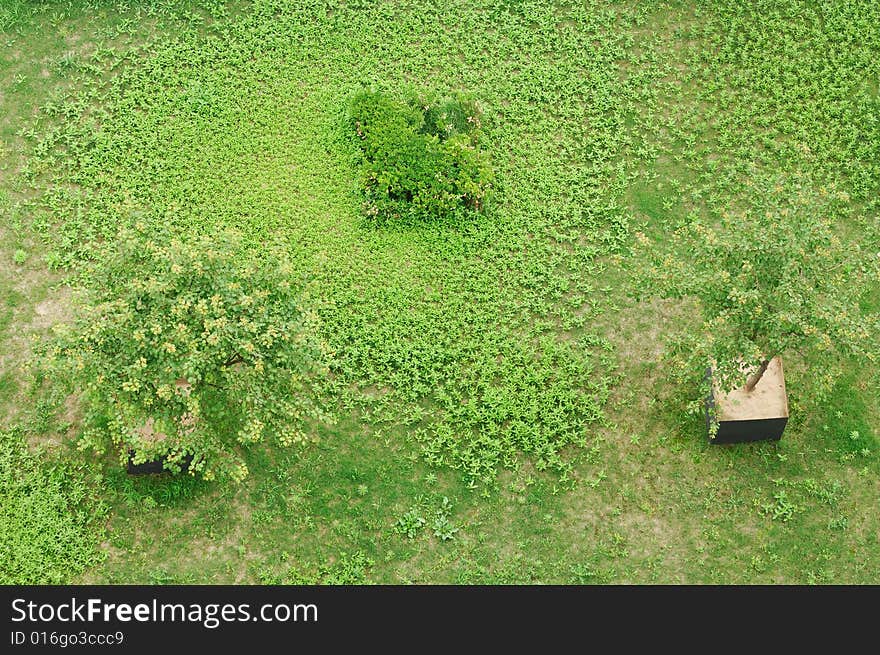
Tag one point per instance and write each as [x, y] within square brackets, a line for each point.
[154, 466]
[744, 430]
[760, 415]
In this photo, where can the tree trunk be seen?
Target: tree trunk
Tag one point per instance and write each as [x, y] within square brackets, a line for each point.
[753, 381]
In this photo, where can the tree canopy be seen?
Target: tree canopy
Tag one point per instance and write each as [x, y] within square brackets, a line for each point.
[190, 348]
[774, 277]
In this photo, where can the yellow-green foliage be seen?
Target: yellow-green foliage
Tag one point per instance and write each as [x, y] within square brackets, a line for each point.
[478, 356]
[48, 519]
[206, 349]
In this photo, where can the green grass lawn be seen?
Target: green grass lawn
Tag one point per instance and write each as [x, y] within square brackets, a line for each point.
[501, 411]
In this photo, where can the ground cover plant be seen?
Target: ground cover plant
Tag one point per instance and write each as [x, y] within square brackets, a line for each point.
[50, 521]
[499, 409]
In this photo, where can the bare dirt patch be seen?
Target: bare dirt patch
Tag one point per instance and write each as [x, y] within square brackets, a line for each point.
[639, 330]
[767, 400]
[52, 310]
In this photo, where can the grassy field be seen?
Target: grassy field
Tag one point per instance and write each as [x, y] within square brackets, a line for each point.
[502, 413]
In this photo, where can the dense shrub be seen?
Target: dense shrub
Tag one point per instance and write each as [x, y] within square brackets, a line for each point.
[48, 529]
[420, 157]
[187, 349]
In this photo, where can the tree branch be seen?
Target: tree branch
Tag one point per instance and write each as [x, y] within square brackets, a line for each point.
[233, 359]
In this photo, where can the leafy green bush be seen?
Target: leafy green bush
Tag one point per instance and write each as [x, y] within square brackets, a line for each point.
[48, 527]
[419, 157]
[184, 350]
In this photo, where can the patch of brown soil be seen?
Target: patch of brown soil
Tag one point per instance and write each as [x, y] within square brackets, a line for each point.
[767, 400]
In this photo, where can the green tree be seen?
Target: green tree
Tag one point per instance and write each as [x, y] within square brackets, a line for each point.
[184, 349]
[780, 276]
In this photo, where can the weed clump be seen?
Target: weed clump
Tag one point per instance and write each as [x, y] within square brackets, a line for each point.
[420, 157]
